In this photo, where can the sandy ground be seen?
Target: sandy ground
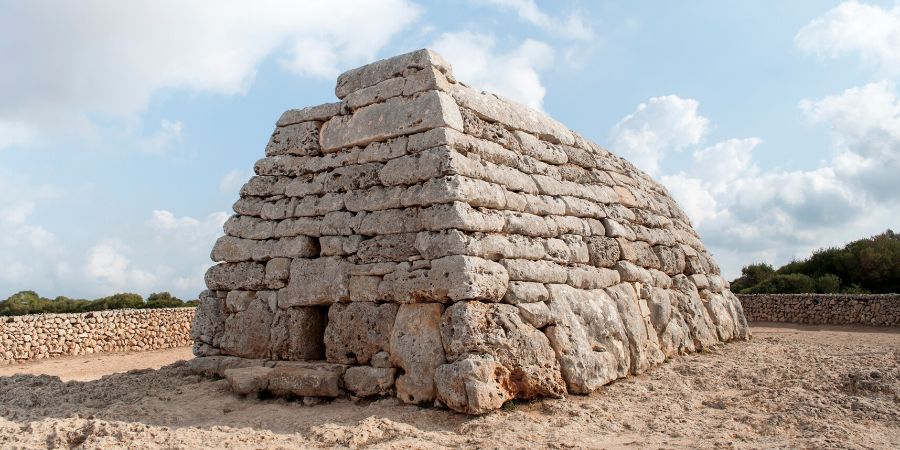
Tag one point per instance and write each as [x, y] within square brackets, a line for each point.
[789, 387]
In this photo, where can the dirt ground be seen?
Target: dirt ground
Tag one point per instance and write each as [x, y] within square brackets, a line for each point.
[789, 387]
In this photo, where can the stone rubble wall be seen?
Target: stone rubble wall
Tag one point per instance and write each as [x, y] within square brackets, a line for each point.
[41, 336]
[426, 240]
[824, 309]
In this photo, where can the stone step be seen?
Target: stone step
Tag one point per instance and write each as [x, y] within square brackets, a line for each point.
[301, 379]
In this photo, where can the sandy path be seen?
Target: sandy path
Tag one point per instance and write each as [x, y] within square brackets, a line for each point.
[87, 368]
[790, 387]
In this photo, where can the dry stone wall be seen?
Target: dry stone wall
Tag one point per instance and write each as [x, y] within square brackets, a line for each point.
[423, 239]
[24, 338]
[824, 309]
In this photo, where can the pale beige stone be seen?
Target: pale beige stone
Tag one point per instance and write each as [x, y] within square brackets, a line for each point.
[415, 346]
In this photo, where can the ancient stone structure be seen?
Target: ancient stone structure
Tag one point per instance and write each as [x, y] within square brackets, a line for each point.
[423, 239]
[24, 338]
[824, 309]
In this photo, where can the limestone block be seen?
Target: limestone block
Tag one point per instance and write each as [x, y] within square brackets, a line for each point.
[277, 270]
[358, 330]
[367, 381]
[461, 216]
[426, 79]
[718, 310]
[473, 385]
[339, 245]
[247, 332]
[374, 73]
[589, 338]
[525, 292]
[240, 275]
[687, 300]
[395, 117]
[249, 227]
[374, 199]
[295, 247]
[314, 205]
[209, 320]
[364, 288]
[232, 249]
[642, 339]
[493, 108]
[383, 151]
[588, 277]
[295, 139]
[631, 272]
[320, 281]
[602, 251]
[536, 148]
[536, 271]
[671, 259]
[451, 278]
[616, 229]
[248, 380]
[306, 379]
[475, 328]
[352, 177]
[537, 314]
[297, 334]
[415, 346]
[318, 113]
[388, 247]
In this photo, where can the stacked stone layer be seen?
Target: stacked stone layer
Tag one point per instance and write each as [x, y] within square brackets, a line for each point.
[24, 338]
[824, 309]
[446, 244]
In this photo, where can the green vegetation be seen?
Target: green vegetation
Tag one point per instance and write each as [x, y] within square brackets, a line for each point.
[29, 302]
[865, 266]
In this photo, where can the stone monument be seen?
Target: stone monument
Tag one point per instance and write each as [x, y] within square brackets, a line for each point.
[424, 239]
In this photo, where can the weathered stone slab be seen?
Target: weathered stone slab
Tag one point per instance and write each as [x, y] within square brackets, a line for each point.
[248, 380]
[240, 275]
[589, 338]
[357, 331]
[367, 381]
[318, 113]
[320, 281]
[247, 332]
[416, 347]
[473, 385]
[494, 108]
[451, 278]
[295, 139]
[475, 328]
[642, 339]
[374, 73]
[395, 117]
[306, 379]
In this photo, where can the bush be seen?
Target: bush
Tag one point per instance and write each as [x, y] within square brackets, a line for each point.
[866, 265]
[795, 283]
[29, 302]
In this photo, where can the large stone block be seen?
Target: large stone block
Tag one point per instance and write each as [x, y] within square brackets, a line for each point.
[451, 278]
[589, 338]
[295, 139]
[473, 328]
[247, 332]
[374, 73]
[241, 275]
[395, 117]
[357, 331]
[320, 281]
[416, 347]
[642, 339]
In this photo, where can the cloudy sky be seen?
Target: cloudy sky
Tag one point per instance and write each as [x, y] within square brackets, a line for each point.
[127, 128]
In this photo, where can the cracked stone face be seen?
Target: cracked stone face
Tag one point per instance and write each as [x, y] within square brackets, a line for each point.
[424, 239]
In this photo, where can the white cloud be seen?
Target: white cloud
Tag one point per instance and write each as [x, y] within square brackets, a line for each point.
[571, 26]
[15, 133]
[871, 32]
[168, 135]
[187, 228]
[656, 128]
[513, 74]
[68, 68]
[24, 246]
[747, 214]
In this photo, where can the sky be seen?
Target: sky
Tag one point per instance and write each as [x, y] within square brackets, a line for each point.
[127, 128]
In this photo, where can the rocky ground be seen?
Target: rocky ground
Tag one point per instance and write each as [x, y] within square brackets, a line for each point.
[791, 386]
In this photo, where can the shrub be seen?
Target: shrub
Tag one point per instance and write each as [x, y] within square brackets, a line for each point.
[29, 302]
[795, 283]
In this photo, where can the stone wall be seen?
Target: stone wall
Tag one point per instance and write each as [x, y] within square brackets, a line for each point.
[41, 336]
[831, 309]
